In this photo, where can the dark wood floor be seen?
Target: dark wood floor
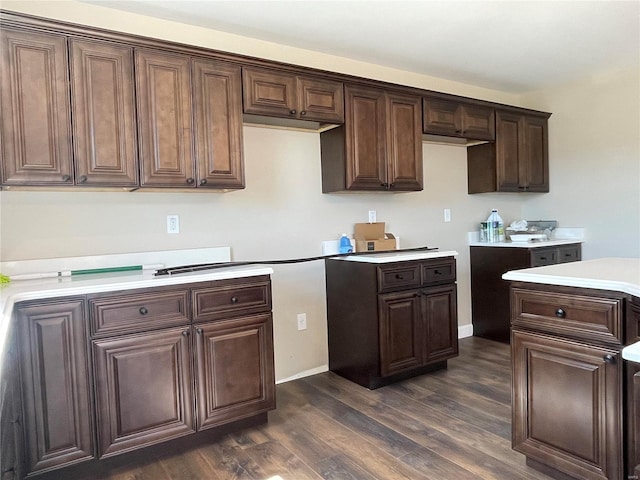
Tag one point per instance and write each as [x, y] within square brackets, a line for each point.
[452, 424]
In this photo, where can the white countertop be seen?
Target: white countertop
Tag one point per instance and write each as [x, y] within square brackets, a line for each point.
[617, 274]
[390, 257]
[531, 244]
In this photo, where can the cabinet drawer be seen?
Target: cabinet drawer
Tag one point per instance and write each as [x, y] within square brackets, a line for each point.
[544, 256]
[576, 316]
[570, 253]
[231, 299]
[439, 272]
[399, 277]
[137, 312]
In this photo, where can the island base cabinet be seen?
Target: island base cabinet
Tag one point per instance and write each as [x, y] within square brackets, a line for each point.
[234, 365]
[54, 370]
[143, 389]
[566, 405]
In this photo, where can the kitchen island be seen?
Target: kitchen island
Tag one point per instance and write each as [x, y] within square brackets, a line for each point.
[99, 365]
[573, 407]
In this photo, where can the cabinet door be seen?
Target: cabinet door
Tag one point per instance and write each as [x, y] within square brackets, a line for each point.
[365, 138]
[441, 117]
[567, 405]
[35, 121]
[404, 142]
[218, 124]
[535, 167]
[478, 123]
[441, 323]
[143, 389]
[401, 332]
[509, 162]
[267, 92]
[104, 128]
[321, 100]
[55, 384]
[632, 373]
[235, 373]
[163, 82]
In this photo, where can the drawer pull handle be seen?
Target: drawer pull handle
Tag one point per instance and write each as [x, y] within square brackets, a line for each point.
[543, 258]
[185, 333]
[199, 331]
[437, 272]
[608, 358]
[143, 311]
[560, 313]
[234, 299]
[399, 276]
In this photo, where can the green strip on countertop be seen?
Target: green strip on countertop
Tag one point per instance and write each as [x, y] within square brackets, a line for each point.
[107, 270]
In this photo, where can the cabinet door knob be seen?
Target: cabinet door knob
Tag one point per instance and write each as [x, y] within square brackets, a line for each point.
[203, 181]
[234, 299]
[399, 276]
[199, 331]
[185, 333]
[293, 112]
[143, 311]
[82, 179]
[608, 358]
[560, 313]
[190, 181]
[390, 186]
[66, 178]
[437, 272]
[303, 112]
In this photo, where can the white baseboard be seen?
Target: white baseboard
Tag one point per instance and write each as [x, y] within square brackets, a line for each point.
[465, 331]
[306, 373]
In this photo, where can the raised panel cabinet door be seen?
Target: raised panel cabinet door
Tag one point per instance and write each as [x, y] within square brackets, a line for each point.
[103, 104]
[535, 145]
[143, 388]
[163, 82]
[52, 339]
[267, 92]
[235, 372]
[400, 332]
[509, 159]
[567, 405]
[321, 100]
[440, 313]
[404, 142]
[365, 139]
[441, 117]
[217, 106]
[478, 123]
[36, 119]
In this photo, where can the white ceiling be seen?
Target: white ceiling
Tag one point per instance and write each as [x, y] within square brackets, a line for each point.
[514, 46]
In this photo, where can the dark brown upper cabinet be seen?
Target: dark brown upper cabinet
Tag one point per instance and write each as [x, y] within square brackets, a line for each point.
[280, 94]
[35, 121]
[179, 149]
[451, 118]
[518, 160]
[379, 147]
[103, 107]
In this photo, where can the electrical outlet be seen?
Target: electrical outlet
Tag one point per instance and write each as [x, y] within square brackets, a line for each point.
[372, 216]
[302, 321]
[447, 214]
[173, 224]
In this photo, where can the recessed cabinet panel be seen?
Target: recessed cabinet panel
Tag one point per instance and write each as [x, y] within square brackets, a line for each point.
[536, 154]
[143, 389]
[163, 82]
[55, 384]
[321, 100]
[36, 122]
[104, 126]
[267, 92]
[400, 332]
[218, 124]
[509, 152]
[404, 155]
[441, 323]
[234, 364]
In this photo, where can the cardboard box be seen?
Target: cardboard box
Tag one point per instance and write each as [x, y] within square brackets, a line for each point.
[371, 237]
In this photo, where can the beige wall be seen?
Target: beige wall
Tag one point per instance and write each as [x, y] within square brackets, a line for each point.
[282, 212]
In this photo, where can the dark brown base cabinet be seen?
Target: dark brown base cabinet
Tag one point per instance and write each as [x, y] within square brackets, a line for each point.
[390, 321]
[164, 363]
[491, 315]
[568, 385]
